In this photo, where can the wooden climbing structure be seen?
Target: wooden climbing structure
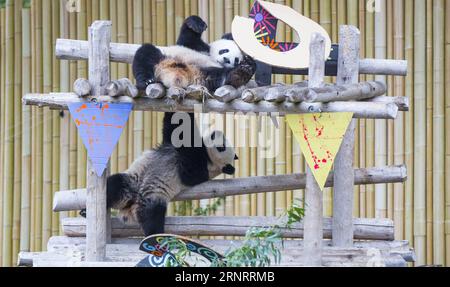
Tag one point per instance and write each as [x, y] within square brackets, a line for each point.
[100, 240]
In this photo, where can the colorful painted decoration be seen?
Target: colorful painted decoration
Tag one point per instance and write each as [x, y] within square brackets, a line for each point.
[256, 36]
[100, 126]
[265, 29]
[320, 137]
[160, 256]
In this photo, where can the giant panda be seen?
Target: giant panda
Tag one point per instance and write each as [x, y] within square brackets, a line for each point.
[192, 61]
[180, 66]
[142, 193]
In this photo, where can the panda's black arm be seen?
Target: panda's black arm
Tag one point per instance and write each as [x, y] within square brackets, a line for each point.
[191, 34]
[145, 60]
[169, 127]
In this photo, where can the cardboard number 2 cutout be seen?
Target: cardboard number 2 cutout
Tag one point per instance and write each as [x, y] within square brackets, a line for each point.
[256, 36]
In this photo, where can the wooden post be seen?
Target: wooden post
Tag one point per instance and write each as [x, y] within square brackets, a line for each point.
[348, 73]
[314, 196]
[97, 222]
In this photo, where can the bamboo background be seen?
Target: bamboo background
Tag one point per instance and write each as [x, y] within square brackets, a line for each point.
[40, 152]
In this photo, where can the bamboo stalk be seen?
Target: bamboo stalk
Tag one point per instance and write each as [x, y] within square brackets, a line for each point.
[399, 125]
[17, 129]
[420, 130]
[26, 134]
[114, 70]
[2, 120]
[438, 133]
[8, 168]
[47, 143]
[390, 124]
[56, 120]
[122, 160]
[38, 217]
[409, 121]
[447, 134]
[64, 156]
[82, 72]
[429, 132]
[360, 208]
[380, 125]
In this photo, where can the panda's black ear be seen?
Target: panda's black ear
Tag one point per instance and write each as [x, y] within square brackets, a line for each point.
[228, 36]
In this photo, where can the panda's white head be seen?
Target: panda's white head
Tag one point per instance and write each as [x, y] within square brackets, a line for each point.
[226, 52]
[221, 154]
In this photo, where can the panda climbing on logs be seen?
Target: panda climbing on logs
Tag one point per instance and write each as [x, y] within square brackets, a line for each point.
[193, 62]
[141, 193]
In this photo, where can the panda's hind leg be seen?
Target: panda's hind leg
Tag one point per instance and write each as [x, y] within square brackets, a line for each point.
[151, 215]
[145, 60]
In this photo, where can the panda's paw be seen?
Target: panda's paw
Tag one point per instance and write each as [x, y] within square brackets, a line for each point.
[249, 64]
[196, 24]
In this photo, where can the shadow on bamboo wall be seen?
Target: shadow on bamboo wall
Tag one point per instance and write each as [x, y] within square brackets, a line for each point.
[40, 152]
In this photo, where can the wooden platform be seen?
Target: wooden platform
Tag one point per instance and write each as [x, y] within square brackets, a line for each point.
[374, 242]
[66, 251]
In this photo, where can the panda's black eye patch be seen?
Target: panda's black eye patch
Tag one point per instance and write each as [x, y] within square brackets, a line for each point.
[226, 60]
[221, 148]
[224, 51]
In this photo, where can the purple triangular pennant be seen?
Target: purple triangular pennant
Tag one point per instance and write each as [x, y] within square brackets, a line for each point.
[100, 126]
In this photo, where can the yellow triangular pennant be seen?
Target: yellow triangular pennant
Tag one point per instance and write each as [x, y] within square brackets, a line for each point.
[320, 137]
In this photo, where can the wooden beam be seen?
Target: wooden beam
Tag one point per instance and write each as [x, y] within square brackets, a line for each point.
[364, 229]
[76, 199]
[97, 233]
[371, 110]
[67, 49]
[344, 177]
[313, 193]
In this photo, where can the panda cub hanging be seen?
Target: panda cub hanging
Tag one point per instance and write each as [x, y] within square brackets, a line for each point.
[142, 193]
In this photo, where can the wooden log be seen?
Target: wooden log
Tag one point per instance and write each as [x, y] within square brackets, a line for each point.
[122, 87]
[82, 87]
[67, 49]
[401, 102]
[353, 92]
[76, 199]
[155, 91]
[344, 177]
[176, 94]
[364, 229]
[197, 92]
[228, 94]
[371, 110]
[313, 194]
[96, 231]
[258, 94]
